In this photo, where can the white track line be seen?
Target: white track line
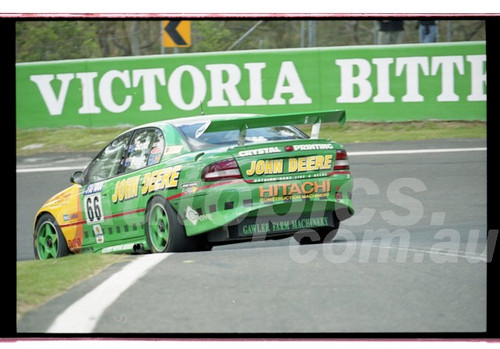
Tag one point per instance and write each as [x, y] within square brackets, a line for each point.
[437, 252]
[353, 153]
[49, 169]
[82, 316]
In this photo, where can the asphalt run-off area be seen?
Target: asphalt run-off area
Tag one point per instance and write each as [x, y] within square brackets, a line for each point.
[412, 259]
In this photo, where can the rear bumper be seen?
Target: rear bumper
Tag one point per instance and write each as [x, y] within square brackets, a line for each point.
[271, 227]
[224, 205]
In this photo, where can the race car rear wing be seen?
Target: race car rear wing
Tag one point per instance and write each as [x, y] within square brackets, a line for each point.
[242, 123]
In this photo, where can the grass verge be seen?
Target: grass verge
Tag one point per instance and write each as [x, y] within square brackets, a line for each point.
[404, 131]
[67, 139]
[38, 281]
[73, 139]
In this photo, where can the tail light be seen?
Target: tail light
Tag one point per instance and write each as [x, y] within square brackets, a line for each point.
[341, 163]
[225, 169]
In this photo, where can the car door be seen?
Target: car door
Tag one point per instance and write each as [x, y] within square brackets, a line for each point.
[125, 196]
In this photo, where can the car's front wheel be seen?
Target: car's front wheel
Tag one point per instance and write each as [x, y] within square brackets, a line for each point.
[164, 231]
[48, 240]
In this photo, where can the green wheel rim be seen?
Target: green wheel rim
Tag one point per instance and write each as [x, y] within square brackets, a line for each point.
[158, 227]
[47, 241]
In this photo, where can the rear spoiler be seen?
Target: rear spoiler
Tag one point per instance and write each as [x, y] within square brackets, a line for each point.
[242, 123]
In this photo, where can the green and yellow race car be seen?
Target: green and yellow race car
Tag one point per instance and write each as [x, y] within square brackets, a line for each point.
[189, 184]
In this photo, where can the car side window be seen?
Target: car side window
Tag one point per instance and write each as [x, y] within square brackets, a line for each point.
[145, 149]
[107, 164]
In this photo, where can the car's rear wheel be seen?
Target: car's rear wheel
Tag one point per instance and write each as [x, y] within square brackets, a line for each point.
[164, 231]
[48, 241]
[316, 236]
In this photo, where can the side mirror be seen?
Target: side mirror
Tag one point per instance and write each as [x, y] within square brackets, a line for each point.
[77, 178]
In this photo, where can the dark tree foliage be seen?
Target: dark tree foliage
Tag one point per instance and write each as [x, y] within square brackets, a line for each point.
[43, 40]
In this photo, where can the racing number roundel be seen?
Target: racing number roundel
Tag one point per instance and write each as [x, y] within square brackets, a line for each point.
[93, 208]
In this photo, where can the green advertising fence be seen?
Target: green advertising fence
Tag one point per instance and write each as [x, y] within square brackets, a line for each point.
[444, 81]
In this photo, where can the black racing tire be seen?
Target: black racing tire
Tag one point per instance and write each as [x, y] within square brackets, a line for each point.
[164, 231]
[315, 236]
[202, 245]
[48, 239]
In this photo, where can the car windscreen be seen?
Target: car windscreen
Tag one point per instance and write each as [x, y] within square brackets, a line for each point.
[228, 138]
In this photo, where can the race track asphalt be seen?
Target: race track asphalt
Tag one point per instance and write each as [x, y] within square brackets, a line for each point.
[412, 260]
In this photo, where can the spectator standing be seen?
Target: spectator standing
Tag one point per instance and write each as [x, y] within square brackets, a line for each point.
[390, 32]
[427, 31]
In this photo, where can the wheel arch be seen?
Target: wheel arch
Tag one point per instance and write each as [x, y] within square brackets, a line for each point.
[39, 215]
[163, 197]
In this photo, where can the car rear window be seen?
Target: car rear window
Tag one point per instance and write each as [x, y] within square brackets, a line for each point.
[228, 138]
